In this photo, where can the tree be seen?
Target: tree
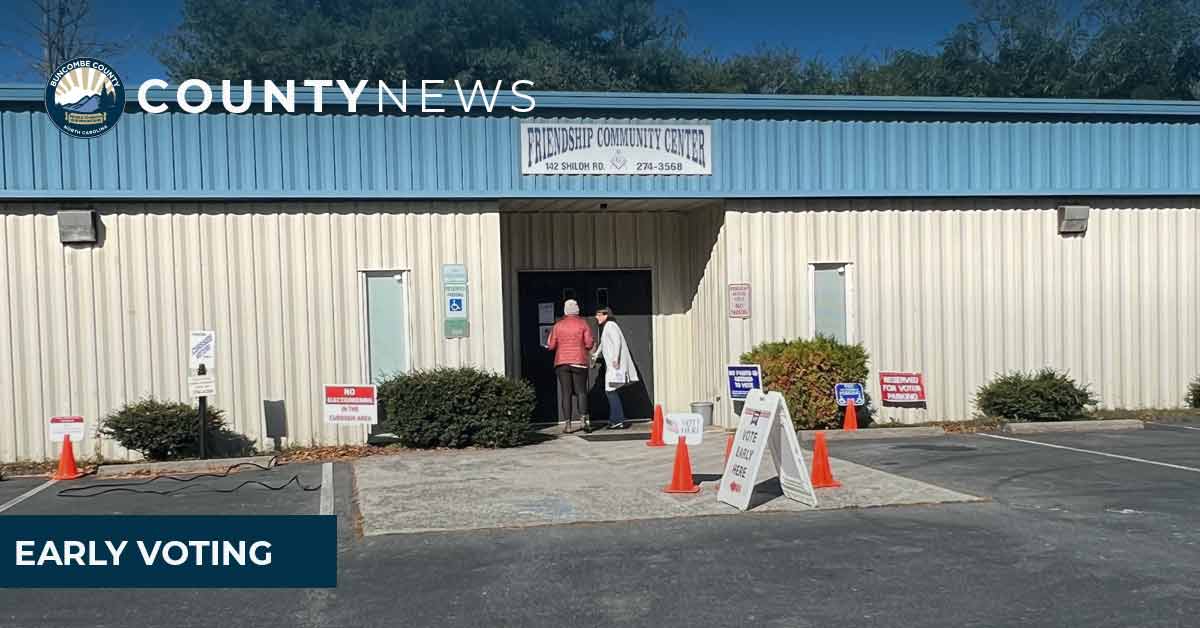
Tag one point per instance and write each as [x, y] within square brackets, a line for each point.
[62, 30]
[1010, 48]
[1143, 49]
[559, 44]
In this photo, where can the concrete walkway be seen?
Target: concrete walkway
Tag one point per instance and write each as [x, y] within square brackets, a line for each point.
[570, 480]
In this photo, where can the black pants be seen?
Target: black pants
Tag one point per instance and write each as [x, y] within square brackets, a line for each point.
[572, 384]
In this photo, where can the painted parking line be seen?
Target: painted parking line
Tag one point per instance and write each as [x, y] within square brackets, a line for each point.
[327, 489]
[1095, 453]
[26, 495]
[1174, 426]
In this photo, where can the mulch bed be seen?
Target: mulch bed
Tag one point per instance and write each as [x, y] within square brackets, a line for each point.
[335, 453]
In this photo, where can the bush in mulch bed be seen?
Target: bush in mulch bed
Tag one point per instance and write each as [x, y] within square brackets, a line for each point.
[456, 407]
[805, 372]
[1045, 395]
[164, 430]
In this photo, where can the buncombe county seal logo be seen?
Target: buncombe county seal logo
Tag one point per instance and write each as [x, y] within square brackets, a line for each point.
[85, 97]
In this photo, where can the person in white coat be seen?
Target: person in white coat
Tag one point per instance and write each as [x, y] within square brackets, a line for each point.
[618, 365]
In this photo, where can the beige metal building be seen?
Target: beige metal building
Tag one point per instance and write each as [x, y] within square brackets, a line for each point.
[314, 246]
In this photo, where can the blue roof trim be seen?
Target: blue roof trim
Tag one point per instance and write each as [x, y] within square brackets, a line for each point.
[573, 194]
[25, 93]
[314, 156]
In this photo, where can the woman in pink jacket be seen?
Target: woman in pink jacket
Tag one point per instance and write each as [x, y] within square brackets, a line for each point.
[571, 341]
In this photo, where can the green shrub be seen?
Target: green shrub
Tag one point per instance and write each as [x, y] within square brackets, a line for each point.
[805, 372]
[1047, 395]
[162, 430]
[456, 407]
[1193, 396]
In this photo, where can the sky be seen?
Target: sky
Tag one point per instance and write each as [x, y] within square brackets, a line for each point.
[830, 29]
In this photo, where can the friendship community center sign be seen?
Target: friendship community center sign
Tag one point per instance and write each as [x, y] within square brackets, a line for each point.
[623, 149]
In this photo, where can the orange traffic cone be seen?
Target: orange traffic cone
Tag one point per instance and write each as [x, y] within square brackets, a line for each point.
[66, 463]
[822, 475]
[850, 423]
[656, 429]
[681, 478]
[728, 448]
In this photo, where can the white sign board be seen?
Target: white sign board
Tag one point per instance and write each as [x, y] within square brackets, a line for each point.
[351, 405]
[544, 334]
[66, 425]
[766, 425]
[202, 386]
[601, 148]
[454, 275]
[546, 313]
[202, 349]
[687, 424]
[739, 300]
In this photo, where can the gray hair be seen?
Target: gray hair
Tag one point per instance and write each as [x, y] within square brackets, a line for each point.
[571, 307]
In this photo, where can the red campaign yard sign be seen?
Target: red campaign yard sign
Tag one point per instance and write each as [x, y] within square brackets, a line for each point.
[902, 387]
[351, 405]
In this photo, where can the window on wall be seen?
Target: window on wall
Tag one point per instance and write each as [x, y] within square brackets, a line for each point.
[831, 286]
[386, 342]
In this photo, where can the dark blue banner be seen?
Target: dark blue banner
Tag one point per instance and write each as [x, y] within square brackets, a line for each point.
[168, 551]
[742, 379]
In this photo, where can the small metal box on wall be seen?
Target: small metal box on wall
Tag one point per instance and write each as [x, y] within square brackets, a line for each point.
[1072, 219]
[77, 226]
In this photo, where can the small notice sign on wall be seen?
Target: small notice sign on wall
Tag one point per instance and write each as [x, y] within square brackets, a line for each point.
[739, 300]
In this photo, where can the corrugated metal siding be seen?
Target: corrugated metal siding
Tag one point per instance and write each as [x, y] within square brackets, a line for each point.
[710, 335]
[89, 328]
[962, 289]
[354, 156]
[657, 241]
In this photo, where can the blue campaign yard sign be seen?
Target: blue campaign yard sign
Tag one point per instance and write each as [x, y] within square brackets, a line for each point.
[742, 379]
[845, 393]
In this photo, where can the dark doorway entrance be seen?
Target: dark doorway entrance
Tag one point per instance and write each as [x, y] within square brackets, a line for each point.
[627, 292]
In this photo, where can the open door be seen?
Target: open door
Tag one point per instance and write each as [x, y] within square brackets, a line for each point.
[627, 292]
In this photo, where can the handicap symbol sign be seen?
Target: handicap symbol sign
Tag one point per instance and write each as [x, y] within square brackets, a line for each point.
[456, 304]
[848, 393]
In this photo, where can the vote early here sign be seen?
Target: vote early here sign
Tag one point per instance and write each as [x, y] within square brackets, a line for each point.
[765, 425]
[351, 405]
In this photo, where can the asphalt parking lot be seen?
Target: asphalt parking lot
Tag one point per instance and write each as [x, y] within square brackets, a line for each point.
[241, 493]
[1066, 538]
[1070, 472]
